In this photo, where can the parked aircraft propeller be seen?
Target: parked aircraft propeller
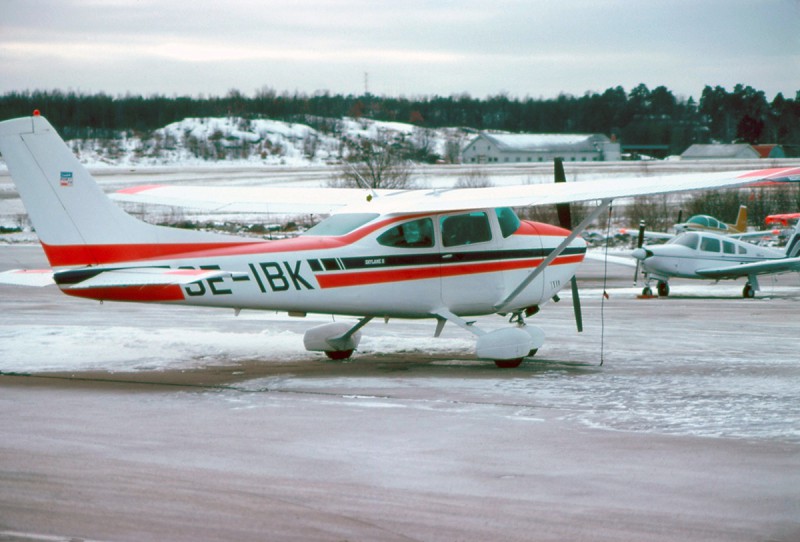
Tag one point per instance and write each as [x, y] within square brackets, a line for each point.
[639, 243]
[565, 221]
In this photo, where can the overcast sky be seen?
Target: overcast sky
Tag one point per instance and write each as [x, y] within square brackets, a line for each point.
[536, 48]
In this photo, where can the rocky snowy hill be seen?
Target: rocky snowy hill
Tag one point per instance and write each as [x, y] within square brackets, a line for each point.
[235, 140]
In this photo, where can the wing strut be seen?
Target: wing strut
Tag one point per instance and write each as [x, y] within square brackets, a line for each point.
[344, 338]
[500, 307]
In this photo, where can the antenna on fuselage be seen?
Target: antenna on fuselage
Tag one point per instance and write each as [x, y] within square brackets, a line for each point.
[363, 182]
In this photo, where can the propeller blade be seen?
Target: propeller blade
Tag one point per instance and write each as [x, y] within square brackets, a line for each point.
[576, 304]
[564, 213]
[565, 221]
[639, 243]
[640, 239]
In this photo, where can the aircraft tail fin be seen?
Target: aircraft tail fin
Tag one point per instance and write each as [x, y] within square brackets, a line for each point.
[76, 222]
[741, 219]
[793, 246]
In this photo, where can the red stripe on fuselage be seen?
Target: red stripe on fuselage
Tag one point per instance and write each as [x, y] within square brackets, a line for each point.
[361, 278]
[63, 255]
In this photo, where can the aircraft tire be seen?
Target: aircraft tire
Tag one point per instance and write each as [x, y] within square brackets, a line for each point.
[338, 355]
[508, 363]
[749, 292]
[663, 289]
[647, 291]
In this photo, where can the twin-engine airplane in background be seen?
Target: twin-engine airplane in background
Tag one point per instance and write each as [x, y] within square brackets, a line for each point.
[446, 255]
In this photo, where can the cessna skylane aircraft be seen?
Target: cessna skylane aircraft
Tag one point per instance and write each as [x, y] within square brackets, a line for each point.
[445, 255]
[697, 255]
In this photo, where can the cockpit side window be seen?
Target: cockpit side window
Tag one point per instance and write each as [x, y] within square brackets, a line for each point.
[413, 234]
[465, 229]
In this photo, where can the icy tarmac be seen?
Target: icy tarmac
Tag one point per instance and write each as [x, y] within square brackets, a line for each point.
[140, 422]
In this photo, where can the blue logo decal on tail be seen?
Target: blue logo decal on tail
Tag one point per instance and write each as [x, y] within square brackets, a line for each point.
[66, 178]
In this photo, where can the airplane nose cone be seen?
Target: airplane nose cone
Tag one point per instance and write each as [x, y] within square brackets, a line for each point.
[641, 253]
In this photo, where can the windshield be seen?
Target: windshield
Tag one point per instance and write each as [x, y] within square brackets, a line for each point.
[509, 222]
[686, 239]
[341, 224]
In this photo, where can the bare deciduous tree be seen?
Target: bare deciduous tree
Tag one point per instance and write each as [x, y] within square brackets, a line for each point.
[376, 162]
[474, 178]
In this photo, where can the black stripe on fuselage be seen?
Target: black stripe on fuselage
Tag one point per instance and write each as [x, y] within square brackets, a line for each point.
[437, 258]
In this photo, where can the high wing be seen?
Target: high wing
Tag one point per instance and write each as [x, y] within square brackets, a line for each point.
[779, 265]
[248, 199]
[550, 194]
[281, 200]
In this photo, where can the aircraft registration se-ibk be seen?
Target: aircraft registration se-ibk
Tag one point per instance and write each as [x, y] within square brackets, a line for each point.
[446, 255]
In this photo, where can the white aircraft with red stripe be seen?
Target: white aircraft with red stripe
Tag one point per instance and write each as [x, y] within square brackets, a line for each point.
[445, 255]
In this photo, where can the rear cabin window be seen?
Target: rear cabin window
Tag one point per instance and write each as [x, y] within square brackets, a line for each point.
[728, 247]
[709, 244]
[414, 234]
[341, 224]
[465, 229]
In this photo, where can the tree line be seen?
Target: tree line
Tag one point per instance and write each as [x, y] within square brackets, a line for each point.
[641, 117]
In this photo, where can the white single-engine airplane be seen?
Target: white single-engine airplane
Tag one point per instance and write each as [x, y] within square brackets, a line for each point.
[445, 255]
[706, 255]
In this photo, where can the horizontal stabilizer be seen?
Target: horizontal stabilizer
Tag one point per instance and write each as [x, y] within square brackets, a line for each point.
[144, 276]
[27, 277]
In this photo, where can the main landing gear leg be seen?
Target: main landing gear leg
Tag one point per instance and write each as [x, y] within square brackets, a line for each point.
[507, 347]
[750, 287]
[338, 340]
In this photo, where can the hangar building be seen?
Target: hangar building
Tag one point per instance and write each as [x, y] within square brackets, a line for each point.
[487, 148]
